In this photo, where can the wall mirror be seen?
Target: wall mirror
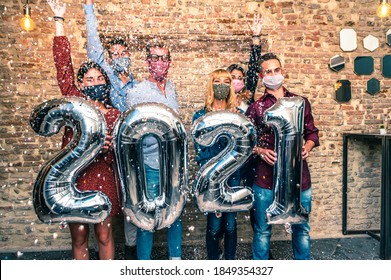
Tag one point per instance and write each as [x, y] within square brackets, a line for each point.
[371, 43]
[343, 91]
[348, 40]
[373, 86]
[386, 66]
[337, 63]
[363, 65]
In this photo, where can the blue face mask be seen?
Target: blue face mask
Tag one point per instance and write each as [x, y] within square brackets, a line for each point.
[121, 64]
[98, 92]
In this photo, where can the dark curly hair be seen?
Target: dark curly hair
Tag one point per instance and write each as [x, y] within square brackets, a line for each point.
[233, 67]
[85, 66]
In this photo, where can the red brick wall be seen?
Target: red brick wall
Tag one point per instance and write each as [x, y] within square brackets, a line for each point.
[204, 35]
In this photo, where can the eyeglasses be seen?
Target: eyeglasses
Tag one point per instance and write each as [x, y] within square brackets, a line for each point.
[155, 58]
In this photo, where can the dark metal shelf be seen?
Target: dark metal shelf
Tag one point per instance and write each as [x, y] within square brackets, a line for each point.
[385, 219]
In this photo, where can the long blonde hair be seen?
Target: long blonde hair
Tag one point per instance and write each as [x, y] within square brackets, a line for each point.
[209, 95]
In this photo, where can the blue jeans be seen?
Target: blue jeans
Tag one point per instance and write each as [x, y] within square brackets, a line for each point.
[262, 231]
[174, 232]
[224, 225]
[215, 226]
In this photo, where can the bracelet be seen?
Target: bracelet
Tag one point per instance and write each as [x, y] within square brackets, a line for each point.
[56, 18]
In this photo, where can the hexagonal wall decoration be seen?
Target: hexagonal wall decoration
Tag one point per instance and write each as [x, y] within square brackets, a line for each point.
[373, 86]
[348, 40]
[343, 91]
[371, 43]
[364, 65]
[386, 66]
[337, 63]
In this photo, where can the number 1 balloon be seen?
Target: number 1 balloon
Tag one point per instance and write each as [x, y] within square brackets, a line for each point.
[55, 197]
[210, 189]
[164, 124]
[287, 119]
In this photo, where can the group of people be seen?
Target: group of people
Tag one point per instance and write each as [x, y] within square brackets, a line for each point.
[109, 84]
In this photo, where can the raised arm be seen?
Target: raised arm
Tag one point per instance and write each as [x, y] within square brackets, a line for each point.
[62, 52]
[58, 16]
[95, 50]
[255, 54]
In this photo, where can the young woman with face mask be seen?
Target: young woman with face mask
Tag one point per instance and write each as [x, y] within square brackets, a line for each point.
[220, 95]
[94, 85]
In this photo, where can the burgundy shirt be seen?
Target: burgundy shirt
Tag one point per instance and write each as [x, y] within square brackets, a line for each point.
[63, 62]
[266, 138]
[99, 175]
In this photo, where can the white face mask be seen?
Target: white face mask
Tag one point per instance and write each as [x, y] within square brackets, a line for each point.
[273, 82]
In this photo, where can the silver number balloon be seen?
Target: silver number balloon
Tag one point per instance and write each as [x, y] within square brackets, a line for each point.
[210, 188]
[287, 119]
[164, 124]
[55, 197]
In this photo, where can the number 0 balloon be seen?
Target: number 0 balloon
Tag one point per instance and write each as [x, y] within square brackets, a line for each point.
[164, 124]
[286, 117]
[55, 197]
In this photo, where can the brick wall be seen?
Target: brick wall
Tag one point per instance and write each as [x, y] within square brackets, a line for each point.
[204, 35]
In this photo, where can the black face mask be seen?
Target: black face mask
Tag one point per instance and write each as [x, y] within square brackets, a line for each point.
[98, 92]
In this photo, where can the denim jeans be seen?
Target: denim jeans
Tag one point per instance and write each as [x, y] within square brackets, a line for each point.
[227, 223]
[174, 232]
[224, 225]
[262, 231]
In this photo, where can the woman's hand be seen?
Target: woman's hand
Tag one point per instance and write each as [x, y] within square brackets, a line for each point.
[108, 144]
[256, 27]
[57, 7]
[234, 110]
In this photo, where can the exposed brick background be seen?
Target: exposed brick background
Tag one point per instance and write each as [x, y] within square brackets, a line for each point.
[204, 35]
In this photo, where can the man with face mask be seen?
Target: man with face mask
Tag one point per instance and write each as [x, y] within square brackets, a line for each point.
[156, 88]
[272, 78]
[117, 68]
[117, 65]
